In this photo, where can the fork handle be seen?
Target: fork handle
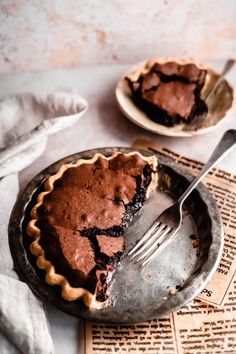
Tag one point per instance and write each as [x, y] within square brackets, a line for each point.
[225, 145]
[228, 65]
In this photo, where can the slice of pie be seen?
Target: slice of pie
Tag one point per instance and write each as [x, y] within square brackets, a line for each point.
[169, 92]
[80, 218]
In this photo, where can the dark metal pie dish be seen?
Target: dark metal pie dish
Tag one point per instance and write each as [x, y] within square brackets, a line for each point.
[174, 278]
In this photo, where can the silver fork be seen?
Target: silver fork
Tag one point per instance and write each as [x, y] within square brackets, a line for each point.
[165, 227]
[199, 120]
[227, 67]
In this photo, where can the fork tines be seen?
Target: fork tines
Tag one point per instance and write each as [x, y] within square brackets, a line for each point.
[150, 244]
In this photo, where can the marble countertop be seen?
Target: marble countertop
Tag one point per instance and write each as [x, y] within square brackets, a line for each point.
[102, 125]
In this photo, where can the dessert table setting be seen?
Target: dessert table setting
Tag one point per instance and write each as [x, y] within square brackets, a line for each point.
[52, 119]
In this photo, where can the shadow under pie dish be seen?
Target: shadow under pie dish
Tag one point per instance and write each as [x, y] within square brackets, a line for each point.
[79, 220]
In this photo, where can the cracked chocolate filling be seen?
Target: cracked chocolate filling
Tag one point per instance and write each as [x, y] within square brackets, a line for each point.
[170, 93]
[83, 219]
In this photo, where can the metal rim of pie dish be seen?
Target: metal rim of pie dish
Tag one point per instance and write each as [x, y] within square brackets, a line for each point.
[24, 260]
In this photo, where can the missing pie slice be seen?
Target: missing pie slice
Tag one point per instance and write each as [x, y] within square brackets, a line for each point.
[169, 92]
[79, 221]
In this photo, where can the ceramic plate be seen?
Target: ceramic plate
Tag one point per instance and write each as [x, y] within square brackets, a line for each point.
[217, 109]
[175, 277]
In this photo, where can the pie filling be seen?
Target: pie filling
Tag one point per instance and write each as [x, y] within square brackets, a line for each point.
[170, 93]
[81, 219]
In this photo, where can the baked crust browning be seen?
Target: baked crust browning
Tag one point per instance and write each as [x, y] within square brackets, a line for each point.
[35, 226]
[169, 91]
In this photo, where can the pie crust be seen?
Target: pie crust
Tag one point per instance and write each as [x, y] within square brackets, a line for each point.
[169, 91]
[69, 292]
[149, 64]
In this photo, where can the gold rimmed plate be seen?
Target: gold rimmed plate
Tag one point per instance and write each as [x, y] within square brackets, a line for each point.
[222, 102]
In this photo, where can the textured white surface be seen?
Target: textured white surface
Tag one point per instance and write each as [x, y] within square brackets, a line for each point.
[102, 125]
[38, 35]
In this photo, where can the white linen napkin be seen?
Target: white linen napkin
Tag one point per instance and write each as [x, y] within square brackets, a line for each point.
[25, 122]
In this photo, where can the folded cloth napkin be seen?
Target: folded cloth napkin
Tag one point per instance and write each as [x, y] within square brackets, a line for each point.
[25, 122]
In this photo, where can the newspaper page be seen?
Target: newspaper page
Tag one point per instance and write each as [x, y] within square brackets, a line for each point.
[208, 323]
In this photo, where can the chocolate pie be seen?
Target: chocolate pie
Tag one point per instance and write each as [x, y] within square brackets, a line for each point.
[169, 92]
[80, 218]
